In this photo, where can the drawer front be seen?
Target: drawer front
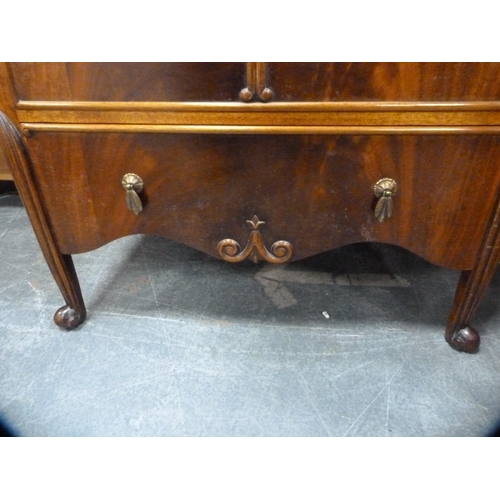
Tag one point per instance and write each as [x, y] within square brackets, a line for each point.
[128, 81]
[314, 191]
[384, 81]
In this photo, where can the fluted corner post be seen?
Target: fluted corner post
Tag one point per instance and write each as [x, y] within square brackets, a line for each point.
[471, 288]
[61, 265]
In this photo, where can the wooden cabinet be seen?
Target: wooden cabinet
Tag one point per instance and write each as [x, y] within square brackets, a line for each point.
[326, 154]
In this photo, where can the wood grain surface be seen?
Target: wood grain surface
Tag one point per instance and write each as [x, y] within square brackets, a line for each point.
[314, 191]
[127, 81]
[7, 105]
[440, 81]
[389, 81]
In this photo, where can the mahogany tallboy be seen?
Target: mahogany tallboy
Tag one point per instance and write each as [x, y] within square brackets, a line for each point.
[325, 154]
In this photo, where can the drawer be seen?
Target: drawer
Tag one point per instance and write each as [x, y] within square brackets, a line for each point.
[384, 81]
[314, 191]
[128, 81]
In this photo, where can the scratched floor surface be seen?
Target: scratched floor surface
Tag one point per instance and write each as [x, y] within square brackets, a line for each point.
[348, 343]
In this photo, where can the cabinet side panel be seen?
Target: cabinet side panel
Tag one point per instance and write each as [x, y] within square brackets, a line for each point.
[7, 103]
[4, 168]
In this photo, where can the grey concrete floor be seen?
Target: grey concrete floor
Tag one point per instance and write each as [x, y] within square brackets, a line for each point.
[347, 343]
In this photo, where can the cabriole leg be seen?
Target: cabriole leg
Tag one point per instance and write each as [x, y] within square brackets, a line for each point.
[471, 287]
[61, 266]
[459, 334]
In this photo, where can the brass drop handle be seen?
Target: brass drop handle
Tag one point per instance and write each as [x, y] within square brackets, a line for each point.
[133, 184]
[384, 189]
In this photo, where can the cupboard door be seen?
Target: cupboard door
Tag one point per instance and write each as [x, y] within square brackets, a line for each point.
[394, 81]
[91, 81]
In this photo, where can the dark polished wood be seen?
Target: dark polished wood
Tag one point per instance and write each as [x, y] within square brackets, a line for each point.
[128, 81]
[224, 81]
[472, 286]
[61, 266]
[210, 145]
[314, 191]
[5, 174]
[391, 81]
[7, 102]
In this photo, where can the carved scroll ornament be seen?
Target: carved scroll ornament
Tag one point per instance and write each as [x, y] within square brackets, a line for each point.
[229, 250]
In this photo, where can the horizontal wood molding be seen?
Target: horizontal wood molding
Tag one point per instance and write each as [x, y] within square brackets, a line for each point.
[386, 118]
[274, 117]
[28, 128]
[259, 107]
